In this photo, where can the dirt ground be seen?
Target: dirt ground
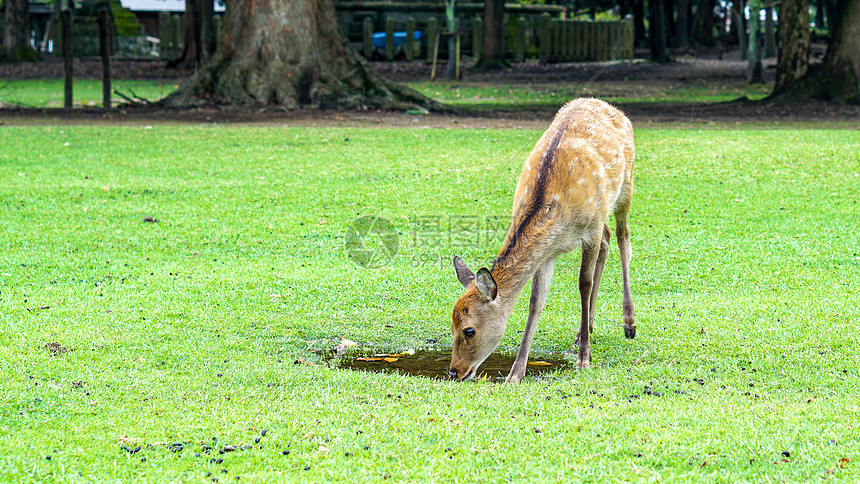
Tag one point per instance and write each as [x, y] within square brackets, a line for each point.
[626, 77]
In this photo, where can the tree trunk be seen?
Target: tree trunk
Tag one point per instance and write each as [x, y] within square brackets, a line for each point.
[669, 21]
[769, 37]
[658, 32]
[493, 49]
[289, 53]
[703, 23]
[842, 63]
[754, 67]
[639, 21]
[682, 26]
[792, 60]
[199, 34]
[16, 32]
[837, 79]
[739, 30]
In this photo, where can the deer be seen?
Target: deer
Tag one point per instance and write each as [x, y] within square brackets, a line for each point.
[579, 172]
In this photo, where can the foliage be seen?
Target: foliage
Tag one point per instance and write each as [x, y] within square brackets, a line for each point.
[139, 351]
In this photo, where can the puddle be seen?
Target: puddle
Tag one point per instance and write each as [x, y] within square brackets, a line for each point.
[434, 364]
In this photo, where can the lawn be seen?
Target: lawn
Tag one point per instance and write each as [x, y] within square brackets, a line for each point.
[193, 348]
[475, 95]
[467, 95]
[48, 93]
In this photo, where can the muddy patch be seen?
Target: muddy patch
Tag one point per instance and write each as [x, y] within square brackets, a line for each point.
[434, 364]
[56, 349]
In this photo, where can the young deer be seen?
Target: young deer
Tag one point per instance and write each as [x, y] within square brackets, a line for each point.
[579, 172]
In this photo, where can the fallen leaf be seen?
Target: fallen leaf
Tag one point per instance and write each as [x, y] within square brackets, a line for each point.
[539, 363]
[844, 462]
[390, 360]
[362, 358]
[344, 344]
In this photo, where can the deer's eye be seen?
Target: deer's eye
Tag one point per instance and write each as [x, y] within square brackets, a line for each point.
[469, 332]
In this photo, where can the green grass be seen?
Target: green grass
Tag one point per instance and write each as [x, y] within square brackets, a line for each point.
[88, 92]
[206, 327]
[508, 96]
[48, 93]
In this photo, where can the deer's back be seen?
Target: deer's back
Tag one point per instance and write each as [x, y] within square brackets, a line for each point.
[577, 174]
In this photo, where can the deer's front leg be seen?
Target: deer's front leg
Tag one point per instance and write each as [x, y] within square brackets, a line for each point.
[540, 288]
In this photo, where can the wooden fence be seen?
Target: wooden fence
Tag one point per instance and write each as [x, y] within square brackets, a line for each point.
[583, 40]
[551, 40]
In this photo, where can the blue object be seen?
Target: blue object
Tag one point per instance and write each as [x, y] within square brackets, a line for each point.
[399, 38]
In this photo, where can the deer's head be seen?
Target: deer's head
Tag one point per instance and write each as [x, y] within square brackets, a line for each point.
[478, 322]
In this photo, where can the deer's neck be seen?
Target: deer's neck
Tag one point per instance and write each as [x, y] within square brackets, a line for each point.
[512, 270]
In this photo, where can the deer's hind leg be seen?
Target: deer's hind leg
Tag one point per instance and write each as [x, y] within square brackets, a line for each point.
[590, 254]
[598, 273]
[623, 235]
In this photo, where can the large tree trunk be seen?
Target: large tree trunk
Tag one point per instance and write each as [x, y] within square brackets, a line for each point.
[289, 53]
[841, 68]
[792, 60]
[837, 79]
[493, 49]
[199, 34]
[16, 31]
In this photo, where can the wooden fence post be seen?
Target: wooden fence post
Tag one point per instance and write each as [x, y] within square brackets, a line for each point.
[410, 38]
[603, 41]
[216, 27]
[163, 29]
[556, 39]
[593, 42]
[478, 38]
[104, 50]
[178, 39]
[66, 20]
[567, 40]
[431, 37]
[367, 37]
[579, 39]
[520, 54]
[389, 38]
[544, 32]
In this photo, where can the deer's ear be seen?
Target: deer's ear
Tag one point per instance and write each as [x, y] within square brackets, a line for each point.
[486, 285]
[464, 274]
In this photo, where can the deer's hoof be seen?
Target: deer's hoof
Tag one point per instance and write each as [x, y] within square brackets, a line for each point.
[582, 364]
[514, 378]
[630, 333]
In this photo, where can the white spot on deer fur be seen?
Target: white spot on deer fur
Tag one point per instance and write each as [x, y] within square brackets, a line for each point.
[583, 181]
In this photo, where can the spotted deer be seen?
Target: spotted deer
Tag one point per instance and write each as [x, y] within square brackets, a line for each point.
[580, 172]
